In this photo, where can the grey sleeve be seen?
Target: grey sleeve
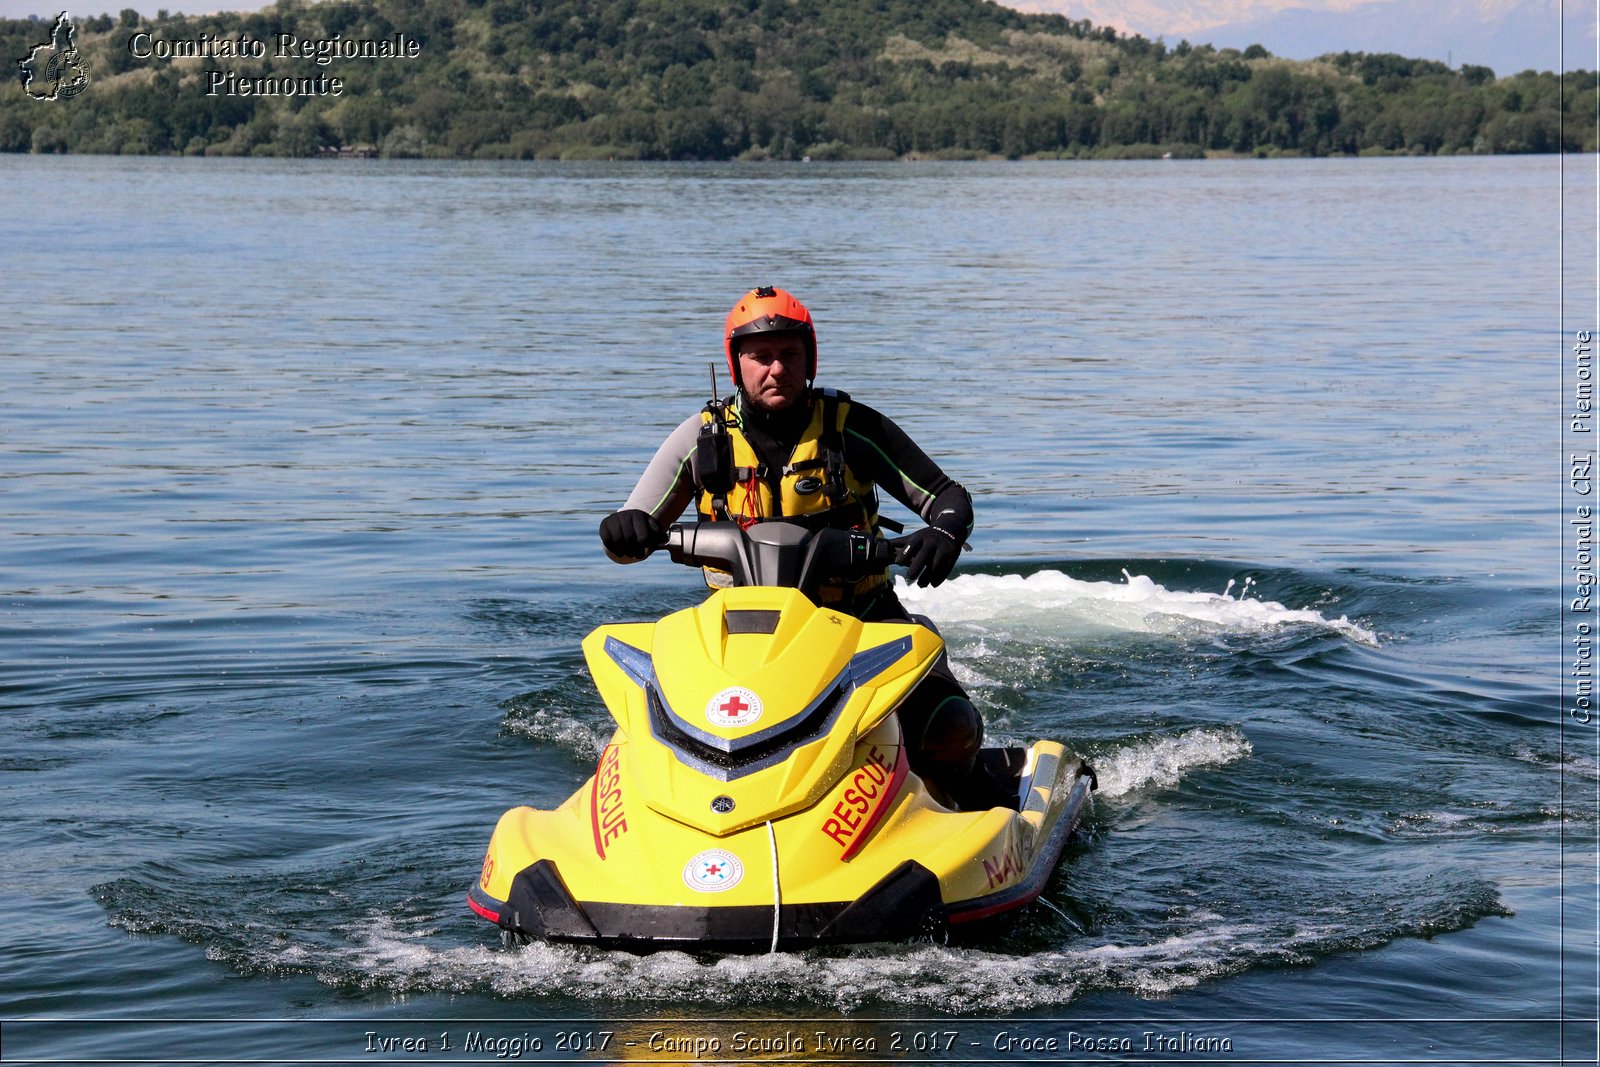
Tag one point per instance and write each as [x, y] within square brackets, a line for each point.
[668, 483]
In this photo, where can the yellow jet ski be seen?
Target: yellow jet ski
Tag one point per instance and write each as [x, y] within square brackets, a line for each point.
[756, 794]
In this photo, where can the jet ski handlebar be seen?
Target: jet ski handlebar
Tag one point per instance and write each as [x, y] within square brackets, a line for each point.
[782, 553]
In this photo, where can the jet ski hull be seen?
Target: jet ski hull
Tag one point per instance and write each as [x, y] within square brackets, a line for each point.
[926, 872]
[758, 794]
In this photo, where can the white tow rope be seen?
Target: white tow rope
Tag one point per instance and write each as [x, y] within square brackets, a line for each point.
[777, 890]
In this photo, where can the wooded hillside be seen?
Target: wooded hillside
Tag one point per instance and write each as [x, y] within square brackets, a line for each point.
[721, 79]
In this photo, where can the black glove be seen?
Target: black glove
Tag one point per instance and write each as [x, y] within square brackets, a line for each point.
[930, 554]
[631, 535]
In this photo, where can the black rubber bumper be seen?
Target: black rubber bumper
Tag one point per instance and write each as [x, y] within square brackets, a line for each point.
[905, 904]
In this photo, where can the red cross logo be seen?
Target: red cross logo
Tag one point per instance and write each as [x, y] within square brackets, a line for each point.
[713, 871]
[735, 707]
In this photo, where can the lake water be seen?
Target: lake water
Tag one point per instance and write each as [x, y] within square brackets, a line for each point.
[301, 469]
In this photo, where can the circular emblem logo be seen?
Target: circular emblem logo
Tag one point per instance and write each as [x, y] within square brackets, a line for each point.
[55, 72]
[712, 871]
[807, 485]
[734, 706]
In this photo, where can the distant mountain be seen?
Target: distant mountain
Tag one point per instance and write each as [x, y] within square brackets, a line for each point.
[1174, 19]
[1507, 35]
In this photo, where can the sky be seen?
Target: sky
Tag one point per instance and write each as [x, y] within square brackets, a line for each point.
[49, 9]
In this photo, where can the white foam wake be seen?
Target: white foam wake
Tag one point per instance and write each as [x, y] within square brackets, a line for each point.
[915, 975]
[561, 728]
[1137, 605]
[1163, 761]
[919, 976]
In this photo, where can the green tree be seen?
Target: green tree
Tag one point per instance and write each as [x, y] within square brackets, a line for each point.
[721, 78]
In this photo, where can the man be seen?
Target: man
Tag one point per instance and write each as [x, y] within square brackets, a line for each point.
[782, 448]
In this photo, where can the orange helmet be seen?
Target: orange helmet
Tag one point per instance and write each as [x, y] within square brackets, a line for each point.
[768, 310]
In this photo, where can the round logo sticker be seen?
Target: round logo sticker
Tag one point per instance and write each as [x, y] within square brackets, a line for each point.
[735, 706]
[712, 871]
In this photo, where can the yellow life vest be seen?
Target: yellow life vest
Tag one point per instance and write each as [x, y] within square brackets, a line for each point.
[816, 486]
